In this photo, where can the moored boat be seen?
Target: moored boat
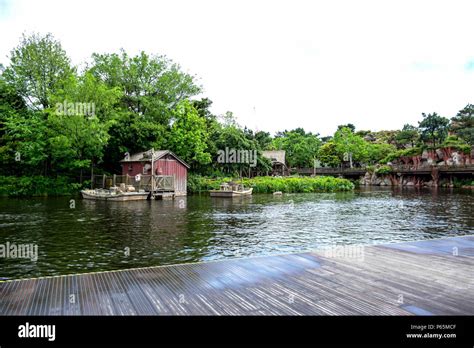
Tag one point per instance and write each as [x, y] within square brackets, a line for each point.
[231, 190]
[112, 195]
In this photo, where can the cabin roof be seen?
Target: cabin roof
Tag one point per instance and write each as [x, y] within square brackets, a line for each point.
[275, 155]
[144, 156]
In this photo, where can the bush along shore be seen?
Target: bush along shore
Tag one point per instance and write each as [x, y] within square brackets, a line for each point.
[26, 186]
[266, 184]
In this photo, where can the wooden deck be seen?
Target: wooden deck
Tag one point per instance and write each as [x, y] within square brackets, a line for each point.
[433, 277]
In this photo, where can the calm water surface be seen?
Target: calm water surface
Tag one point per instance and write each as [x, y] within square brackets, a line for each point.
[97, 235]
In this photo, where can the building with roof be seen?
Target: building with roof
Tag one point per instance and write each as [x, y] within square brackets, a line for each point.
[277, 157]
[165, 163]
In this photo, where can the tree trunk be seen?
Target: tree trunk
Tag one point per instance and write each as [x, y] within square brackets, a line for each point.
[92, 175]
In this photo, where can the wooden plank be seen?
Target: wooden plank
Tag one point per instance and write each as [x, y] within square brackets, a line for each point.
[431, 279]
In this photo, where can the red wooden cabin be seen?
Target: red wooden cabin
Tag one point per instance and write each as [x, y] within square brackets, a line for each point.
[165, 162]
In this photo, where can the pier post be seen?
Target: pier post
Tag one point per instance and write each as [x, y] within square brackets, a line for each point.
[435, 176]
[152, 170]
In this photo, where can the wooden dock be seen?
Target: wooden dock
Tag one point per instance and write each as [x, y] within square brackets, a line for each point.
[432, 277]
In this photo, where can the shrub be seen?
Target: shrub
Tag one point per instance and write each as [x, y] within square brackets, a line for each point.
[266, 184]
[37, 186]
[412, 151]
[454, 142]
[370, 168]
[383, 170]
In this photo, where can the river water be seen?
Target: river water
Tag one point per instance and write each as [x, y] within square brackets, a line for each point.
[91, 236]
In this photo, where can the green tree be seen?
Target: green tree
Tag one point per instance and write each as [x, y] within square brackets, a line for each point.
[203, 107]
[378, 151]
[10, 100]
[408, 135]
[455, 143]
[434, 128]
[38, 68]
[301, 148]
[231, 136]
[326, 139]
[152, 85]
[213, 127]
[349, 125]
[351, 145]
[188, 135]
[228, 119]
[78, 140]
[329, 155]
[228, 134]
[25, 134]
[22, 134]
[463, 124]
[263, 139]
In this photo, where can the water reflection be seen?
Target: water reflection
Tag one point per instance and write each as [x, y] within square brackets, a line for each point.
[115, 235]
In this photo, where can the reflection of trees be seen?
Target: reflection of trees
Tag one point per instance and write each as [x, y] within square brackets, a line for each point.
[439, 211]
[157, 232]
[451, 209]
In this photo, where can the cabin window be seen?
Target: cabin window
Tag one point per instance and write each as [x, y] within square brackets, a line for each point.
[130, 167]
[145, 170]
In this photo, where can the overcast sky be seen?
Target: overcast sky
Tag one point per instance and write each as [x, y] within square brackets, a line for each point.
[282, 64]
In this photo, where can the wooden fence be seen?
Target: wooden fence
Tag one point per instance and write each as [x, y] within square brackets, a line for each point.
[405, 169]
[139, 182]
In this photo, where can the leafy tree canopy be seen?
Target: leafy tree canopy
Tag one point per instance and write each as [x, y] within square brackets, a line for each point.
[463, 124]
[433, 128]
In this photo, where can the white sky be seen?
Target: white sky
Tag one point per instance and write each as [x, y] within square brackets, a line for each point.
[311, 64]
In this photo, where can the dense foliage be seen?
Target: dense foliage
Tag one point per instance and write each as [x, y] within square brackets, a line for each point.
[366, 148]
[37, 186]
[59, 121]
[300, 147]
